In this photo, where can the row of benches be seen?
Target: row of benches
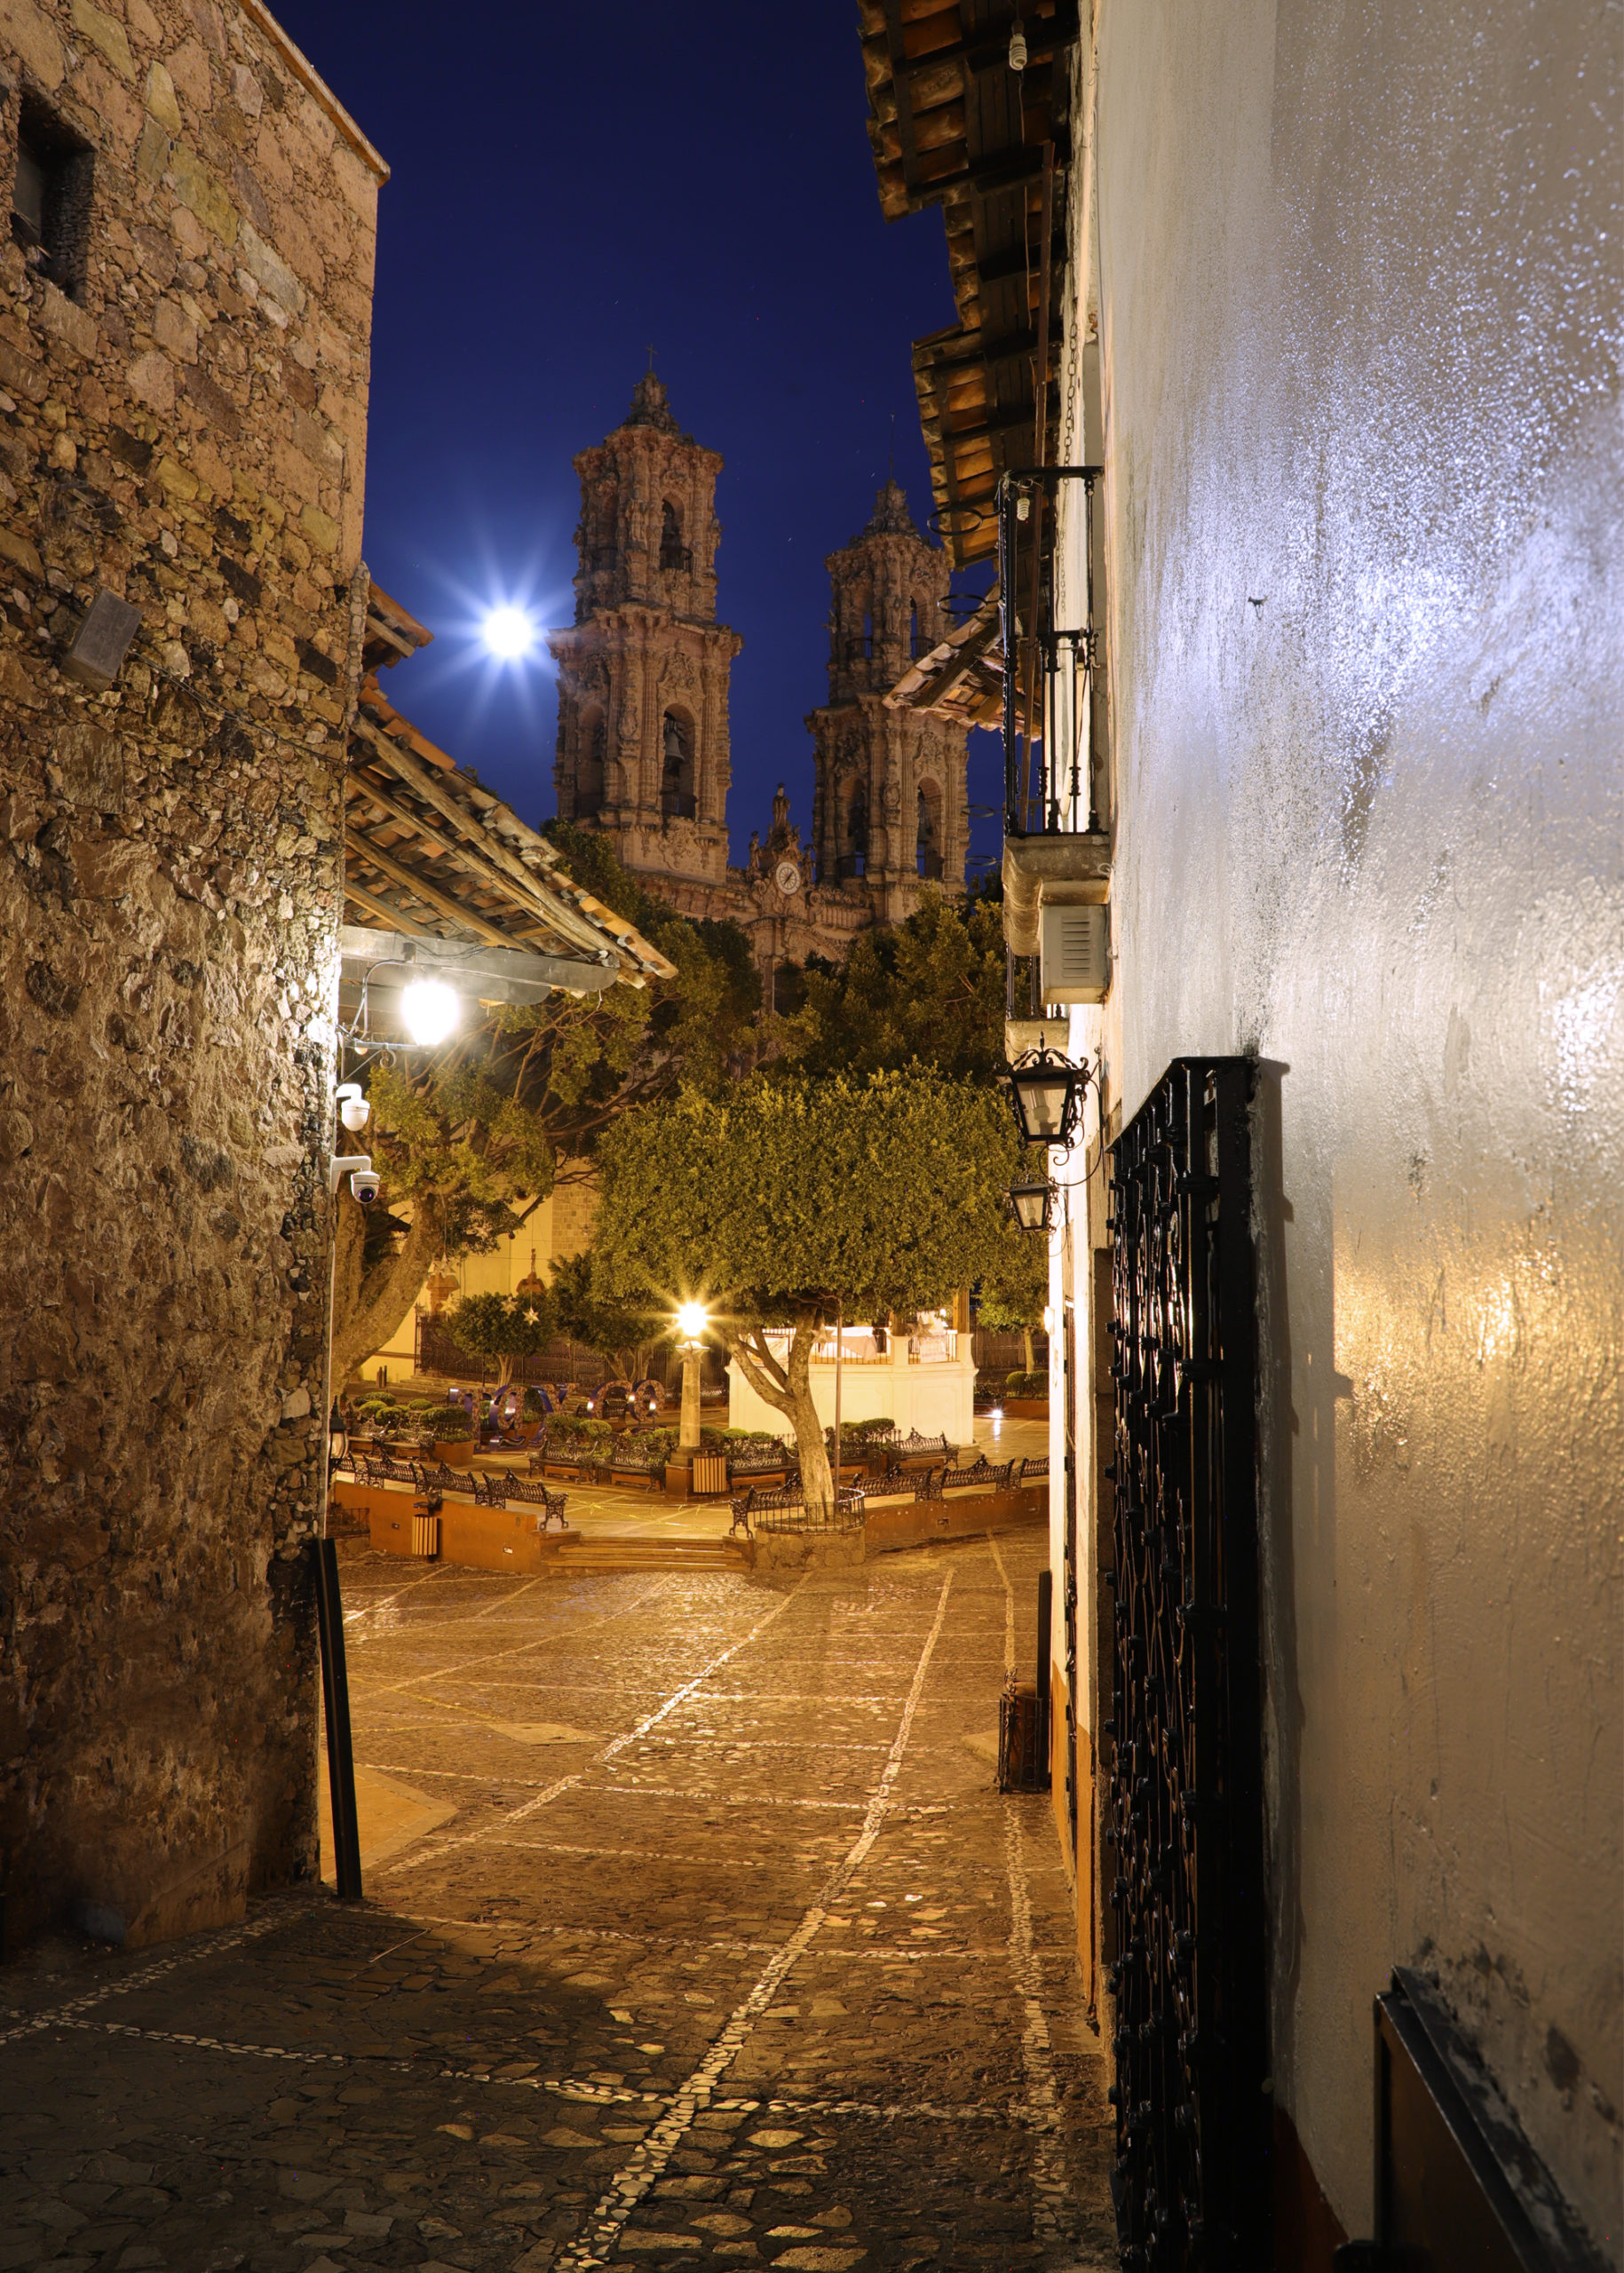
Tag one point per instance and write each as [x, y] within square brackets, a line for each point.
[778, 1507]
[431, 1480]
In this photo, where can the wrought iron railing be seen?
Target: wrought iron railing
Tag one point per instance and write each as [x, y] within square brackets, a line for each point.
[1185, 1792]
[1051, 666]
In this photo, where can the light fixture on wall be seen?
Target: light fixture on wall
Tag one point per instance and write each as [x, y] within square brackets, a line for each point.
[1017, 46]
[1033, 1204]
[1047, 1094]
[429, 1009]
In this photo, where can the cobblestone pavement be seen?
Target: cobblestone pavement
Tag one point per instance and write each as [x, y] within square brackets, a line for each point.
[725, 1951]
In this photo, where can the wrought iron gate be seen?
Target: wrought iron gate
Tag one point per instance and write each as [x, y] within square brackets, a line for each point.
[1192, 2115]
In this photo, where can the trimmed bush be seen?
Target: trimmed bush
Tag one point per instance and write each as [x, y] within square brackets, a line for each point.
[530, 1404]
[1026, 1385]
[654, 1446]
[576, 1429]
[447, 1424]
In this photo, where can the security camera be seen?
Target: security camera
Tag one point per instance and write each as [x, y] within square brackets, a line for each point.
[358, 1168]
[353, 1110]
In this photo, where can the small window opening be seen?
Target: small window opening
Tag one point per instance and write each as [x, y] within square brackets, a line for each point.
[854, 858]
[928, 846]
[677, 779]
[50, 198]
[674, 554]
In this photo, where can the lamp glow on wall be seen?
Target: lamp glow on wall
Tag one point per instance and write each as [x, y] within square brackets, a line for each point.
[429, 1009]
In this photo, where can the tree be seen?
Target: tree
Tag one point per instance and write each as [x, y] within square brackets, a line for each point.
[502, 1328]
[777, 1202]
[623, 1332]
[468, 1138]
[928, 991]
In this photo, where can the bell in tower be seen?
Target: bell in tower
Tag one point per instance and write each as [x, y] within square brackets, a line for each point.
[644, 670]
[890, 807]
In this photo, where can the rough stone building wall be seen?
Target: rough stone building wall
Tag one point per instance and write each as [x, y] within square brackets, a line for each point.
[186, 431]
[1359, 295]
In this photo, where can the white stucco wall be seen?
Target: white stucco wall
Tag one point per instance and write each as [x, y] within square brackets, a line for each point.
[936, 1400]
[1358, 275]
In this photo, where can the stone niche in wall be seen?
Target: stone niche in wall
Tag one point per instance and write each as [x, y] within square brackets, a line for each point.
[182, 361]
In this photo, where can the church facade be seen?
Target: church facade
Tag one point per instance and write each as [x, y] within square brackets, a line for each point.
[644, 752]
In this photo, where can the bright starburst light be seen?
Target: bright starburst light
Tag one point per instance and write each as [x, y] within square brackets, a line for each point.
[509, 632]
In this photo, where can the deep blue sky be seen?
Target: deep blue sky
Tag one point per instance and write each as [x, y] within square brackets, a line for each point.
[570, 182]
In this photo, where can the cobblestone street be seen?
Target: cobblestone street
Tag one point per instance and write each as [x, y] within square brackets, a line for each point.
[696, 1932]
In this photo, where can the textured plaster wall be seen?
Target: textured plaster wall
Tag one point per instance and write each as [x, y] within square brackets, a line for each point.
[188, 434]
[1358, 296]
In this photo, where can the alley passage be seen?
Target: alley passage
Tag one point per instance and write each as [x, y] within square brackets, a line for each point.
[696, 1933]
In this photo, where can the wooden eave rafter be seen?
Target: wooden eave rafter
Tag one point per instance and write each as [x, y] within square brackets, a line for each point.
[429, 851]
[962, 678]
[952, 125]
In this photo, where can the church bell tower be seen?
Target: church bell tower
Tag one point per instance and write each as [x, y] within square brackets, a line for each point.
[891, 801]
[643, 670]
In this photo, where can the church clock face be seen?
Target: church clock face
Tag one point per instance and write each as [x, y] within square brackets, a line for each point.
[786, 876]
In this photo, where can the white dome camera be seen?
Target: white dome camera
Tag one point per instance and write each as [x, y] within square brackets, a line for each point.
[364, 1183]
[353, 1110]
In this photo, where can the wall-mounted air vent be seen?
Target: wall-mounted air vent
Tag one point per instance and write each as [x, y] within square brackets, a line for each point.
[1074, 943]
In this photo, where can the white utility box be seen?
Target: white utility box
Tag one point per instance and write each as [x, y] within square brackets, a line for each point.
[1074, 947]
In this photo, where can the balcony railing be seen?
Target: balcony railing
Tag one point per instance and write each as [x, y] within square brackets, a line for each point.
[1050, 739]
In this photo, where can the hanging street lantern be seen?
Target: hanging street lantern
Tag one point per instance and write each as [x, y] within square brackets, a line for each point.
[1032, 1204]
[1047, 1094]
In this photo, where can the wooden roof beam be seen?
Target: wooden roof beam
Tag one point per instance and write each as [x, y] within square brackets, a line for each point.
[573, 925]
[465, 918]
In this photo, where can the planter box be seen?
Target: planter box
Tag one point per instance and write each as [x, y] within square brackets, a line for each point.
[456, 1454]
[1025, 1408]
[480, 1539]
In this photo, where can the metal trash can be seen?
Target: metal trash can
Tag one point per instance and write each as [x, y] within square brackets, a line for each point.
[1022, 1737]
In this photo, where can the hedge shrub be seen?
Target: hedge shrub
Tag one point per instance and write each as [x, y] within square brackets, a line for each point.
[1026, 1385]
[447, 1424]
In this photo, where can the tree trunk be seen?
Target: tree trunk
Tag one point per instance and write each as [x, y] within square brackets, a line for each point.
[366, 1309]
[1025, 1335]
[504, 1371]
[789, 1388]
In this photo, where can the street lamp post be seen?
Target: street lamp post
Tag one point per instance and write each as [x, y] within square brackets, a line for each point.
[691, 1322]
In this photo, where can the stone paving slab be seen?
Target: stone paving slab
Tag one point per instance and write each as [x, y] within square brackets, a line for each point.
[727, 1953]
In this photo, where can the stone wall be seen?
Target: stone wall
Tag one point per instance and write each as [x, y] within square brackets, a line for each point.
[185, 427]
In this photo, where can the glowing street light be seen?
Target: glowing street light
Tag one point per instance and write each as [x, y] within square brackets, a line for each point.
[691, 1324]
[429, 1008]
[509, 633]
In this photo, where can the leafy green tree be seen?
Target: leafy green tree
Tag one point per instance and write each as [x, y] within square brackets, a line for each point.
[625, 1333]
[928, 991]
[468, 1138]
[502, 1328]
[775, 1202]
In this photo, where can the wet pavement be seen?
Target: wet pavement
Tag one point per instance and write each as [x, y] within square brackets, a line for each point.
[695, 1933]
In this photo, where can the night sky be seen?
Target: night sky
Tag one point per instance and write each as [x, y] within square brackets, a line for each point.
[570, 184]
